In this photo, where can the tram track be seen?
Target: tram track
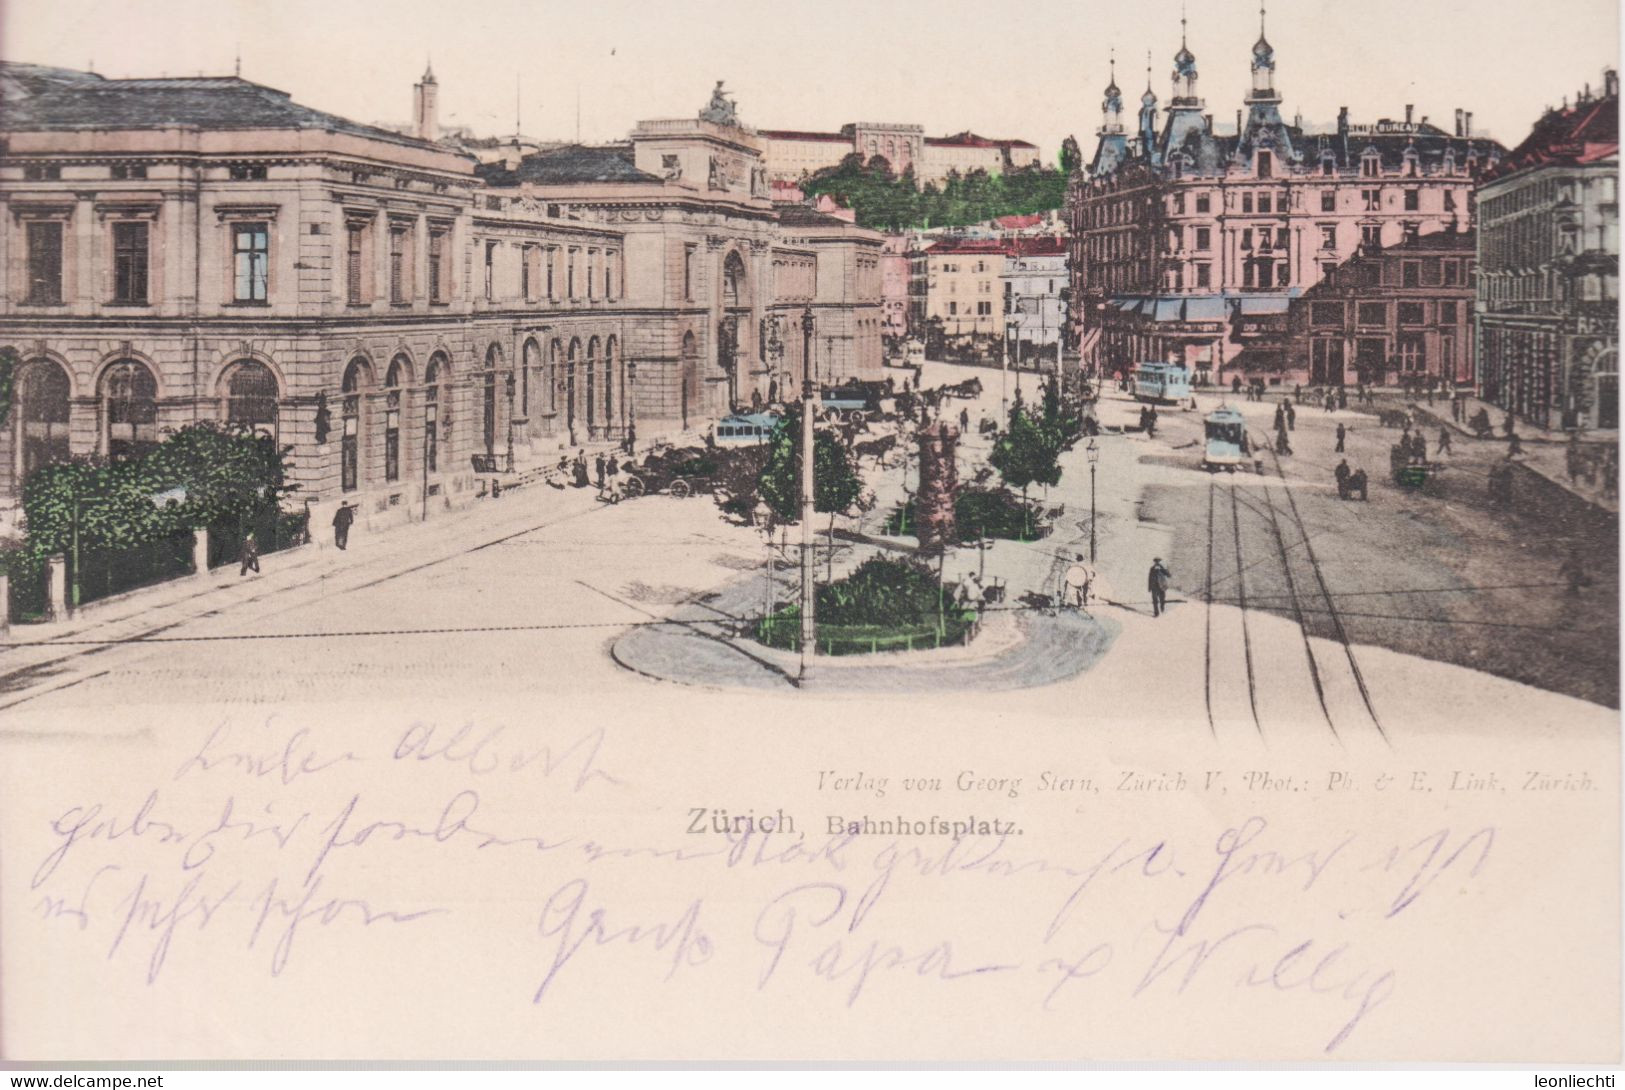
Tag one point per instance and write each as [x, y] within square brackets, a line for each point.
[1331, 610]
[1241, 596]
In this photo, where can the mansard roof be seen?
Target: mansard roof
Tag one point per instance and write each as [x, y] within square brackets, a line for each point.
[574, 164]
[38, 99]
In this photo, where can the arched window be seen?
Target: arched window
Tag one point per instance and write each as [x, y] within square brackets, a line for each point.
[393, 379]
[493, 360]
[592, 382]
[533, 361]
[251, 397]
[41, 416]
[611, 365]
[689, 377]
[733, 280]
[357, 377]
[570, 387]
[436, 373]
[129, 410]
[553, 352]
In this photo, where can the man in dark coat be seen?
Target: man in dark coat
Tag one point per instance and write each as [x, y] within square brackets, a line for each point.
[342, 519]
[250, 556]
[598, 465]
[1343, 473]
[1156, 581]
[1291, 417]
[1342, 434]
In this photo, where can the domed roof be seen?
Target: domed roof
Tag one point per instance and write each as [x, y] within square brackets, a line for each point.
[1184, 58]
[1262, 47]
[1113, 91]
[1149, 98]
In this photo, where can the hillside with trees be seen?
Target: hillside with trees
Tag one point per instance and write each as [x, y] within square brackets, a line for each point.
[889, 202]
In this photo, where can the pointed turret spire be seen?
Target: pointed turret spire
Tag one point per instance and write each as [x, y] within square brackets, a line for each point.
[428, 70]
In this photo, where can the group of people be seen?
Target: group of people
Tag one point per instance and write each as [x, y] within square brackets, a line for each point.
[1148, 420]
[1350, 482]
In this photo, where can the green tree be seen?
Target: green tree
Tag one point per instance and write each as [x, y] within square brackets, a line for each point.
[8, 380]
[1025, 455]
[837, 485]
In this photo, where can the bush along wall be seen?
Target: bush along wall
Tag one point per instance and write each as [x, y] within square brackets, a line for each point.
[123, 524]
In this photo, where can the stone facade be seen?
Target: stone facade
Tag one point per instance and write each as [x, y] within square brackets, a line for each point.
[1190, 244]
[1395, 315]
[1548, 287]
[390, 308]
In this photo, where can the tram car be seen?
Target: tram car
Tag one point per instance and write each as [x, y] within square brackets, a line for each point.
[1226, 446]
[745, 429]
[1162, 383]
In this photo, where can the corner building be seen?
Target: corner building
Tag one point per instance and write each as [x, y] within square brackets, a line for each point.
[1189, 244]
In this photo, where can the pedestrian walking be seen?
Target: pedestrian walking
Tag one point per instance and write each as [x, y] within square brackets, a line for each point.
[964, 420]
[613, 468]
[1078, 579]
[1235, 385]
[1156, 581]
[1342, 397]
[1342, 434]
[579, 469]
[1444, 441]
[343, 518]
[599, 466]
[1291, 417]
[249, 556]
[1281, 444]
[1574, 572]
[1514, 445]
[1280, 417]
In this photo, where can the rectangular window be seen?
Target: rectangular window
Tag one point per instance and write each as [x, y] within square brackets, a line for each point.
[592, 267]
[397, 263]
[1373, 199]
[1203, 203]
[1447, 312]
[42, 173]
[45, 262]
[1247, 238]
[251, 261]
[490, 271]
[1179, 203]
[688, 272]
[248, 172]
[1326, 314]
[1247, 203]
[1371, 234]
[1328, 236]
[983, 309]
[570, 273]
[1204, 238]
[1450, 200]
[1412, 314]
[1412, 273]
[1412, 353]
[611, 268]
[356, 248]
[437, 266]
[1373, 314]
[129, 262]
[1283, 274]
[1452, 274]
[1264, 203]
[1413, 200]
[125, 172]
[524, 272]
[1413, 232]
[1204, 275]
[552, 260]
[1328, 200]
[953, 307]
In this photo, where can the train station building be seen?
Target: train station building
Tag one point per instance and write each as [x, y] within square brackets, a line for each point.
[390, 306]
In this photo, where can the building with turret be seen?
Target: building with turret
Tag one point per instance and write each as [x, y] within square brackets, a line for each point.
[1190, 242]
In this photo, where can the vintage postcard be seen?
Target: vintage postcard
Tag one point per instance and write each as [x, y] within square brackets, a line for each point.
[535, 532]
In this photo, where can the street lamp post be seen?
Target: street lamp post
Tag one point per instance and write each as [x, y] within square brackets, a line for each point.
[809, 632]
[1094, 457]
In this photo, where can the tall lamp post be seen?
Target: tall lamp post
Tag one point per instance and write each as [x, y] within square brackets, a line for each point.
[1011, 329]
[1094, 457]
[809, 632]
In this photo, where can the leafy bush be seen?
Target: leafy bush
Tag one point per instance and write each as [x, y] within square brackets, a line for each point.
[978, 512]
[886, 604]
